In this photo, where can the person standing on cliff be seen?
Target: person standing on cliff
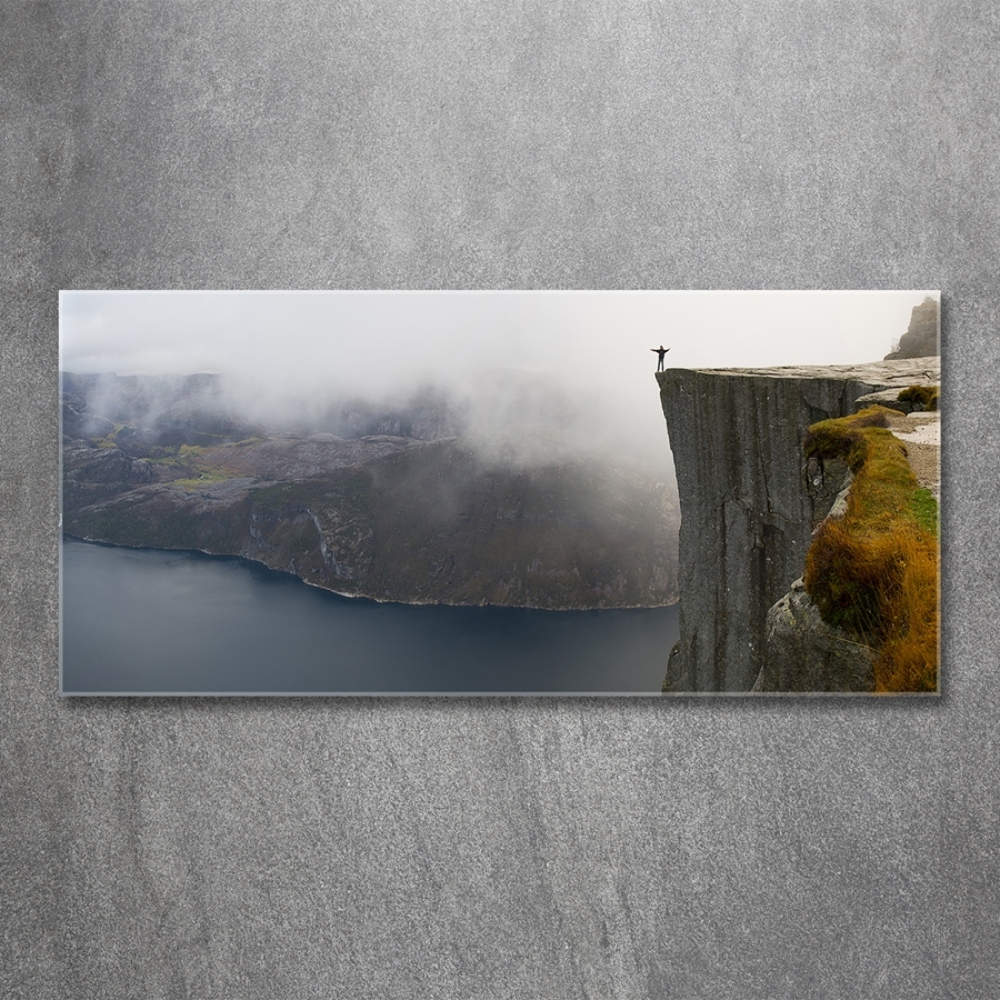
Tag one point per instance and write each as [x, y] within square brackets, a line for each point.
[659, 352]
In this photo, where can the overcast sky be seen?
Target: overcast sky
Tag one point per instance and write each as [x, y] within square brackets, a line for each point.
[379, 343]
[358, 336]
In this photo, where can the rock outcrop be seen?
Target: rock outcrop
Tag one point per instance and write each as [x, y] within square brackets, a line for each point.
[803, 653]
[923, 335]
[749, 500]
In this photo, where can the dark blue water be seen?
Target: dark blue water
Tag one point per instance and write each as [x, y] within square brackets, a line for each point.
[144, 621]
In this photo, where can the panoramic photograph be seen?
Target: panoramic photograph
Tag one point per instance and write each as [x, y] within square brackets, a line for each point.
[499, 493]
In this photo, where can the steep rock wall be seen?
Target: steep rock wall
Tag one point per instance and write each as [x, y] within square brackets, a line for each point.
[923, 335]
[749, 500]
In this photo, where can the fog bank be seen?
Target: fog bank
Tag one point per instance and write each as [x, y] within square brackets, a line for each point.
[539, 371]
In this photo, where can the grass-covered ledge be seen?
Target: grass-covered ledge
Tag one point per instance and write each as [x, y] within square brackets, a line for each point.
[874, 570]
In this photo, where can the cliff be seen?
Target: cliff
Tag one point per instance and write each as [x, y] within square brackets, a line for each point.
[162, 463]
[749, 500]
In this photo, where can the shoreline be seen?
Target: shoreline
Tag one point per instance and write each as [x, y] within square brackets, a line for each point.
[356, 596]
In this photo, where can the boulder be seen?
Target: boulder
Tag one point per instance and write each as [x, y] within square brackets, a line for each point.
[803, 653]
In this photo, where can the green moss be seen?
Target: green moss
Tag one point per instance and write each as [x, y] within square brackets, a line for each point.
[925, 510]
[926, 395]
[842, 438]
[189, 468]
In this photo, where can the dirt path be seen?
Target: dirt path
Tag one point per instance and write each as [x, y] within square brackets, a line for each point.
[921, 433]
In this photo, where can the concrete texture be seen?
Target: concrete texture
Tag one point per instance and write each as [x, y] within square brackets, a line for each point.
[512, 848]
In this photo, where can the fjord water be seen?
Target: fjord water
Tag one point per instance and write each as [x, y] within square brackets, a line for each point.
[146, 621]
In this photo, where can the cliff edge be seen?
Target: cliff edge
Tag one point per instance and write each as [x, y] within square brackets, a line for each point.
[749, 499]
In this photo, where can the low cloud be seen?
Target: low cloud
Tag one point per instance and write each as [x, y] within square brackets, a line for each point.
[526, 376]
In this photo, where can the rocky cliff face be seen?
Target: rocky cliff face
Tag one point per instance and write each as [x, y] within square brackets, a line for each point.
[749, 500]
[803, 653]
[922, 337]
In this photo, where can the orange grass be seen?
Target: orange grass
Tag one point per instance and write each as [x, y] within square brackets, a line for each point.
[874, 571]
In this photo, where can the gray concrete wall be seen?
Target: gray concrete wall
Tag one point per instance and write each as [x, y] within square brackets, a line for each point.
[513, 848]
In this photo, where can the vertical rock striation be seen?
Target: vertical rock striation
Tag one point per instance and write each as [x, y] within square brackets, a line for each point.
[749, 500]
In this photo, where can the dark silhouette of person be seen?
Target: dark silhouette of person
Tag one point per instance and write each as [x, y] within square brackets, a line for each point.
[659, 352]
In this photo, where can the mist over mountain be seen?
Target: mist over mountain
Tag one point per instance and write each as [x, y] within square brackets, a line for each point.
[504, 415]
[525, 376]
[923, 334]
[501, 488]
